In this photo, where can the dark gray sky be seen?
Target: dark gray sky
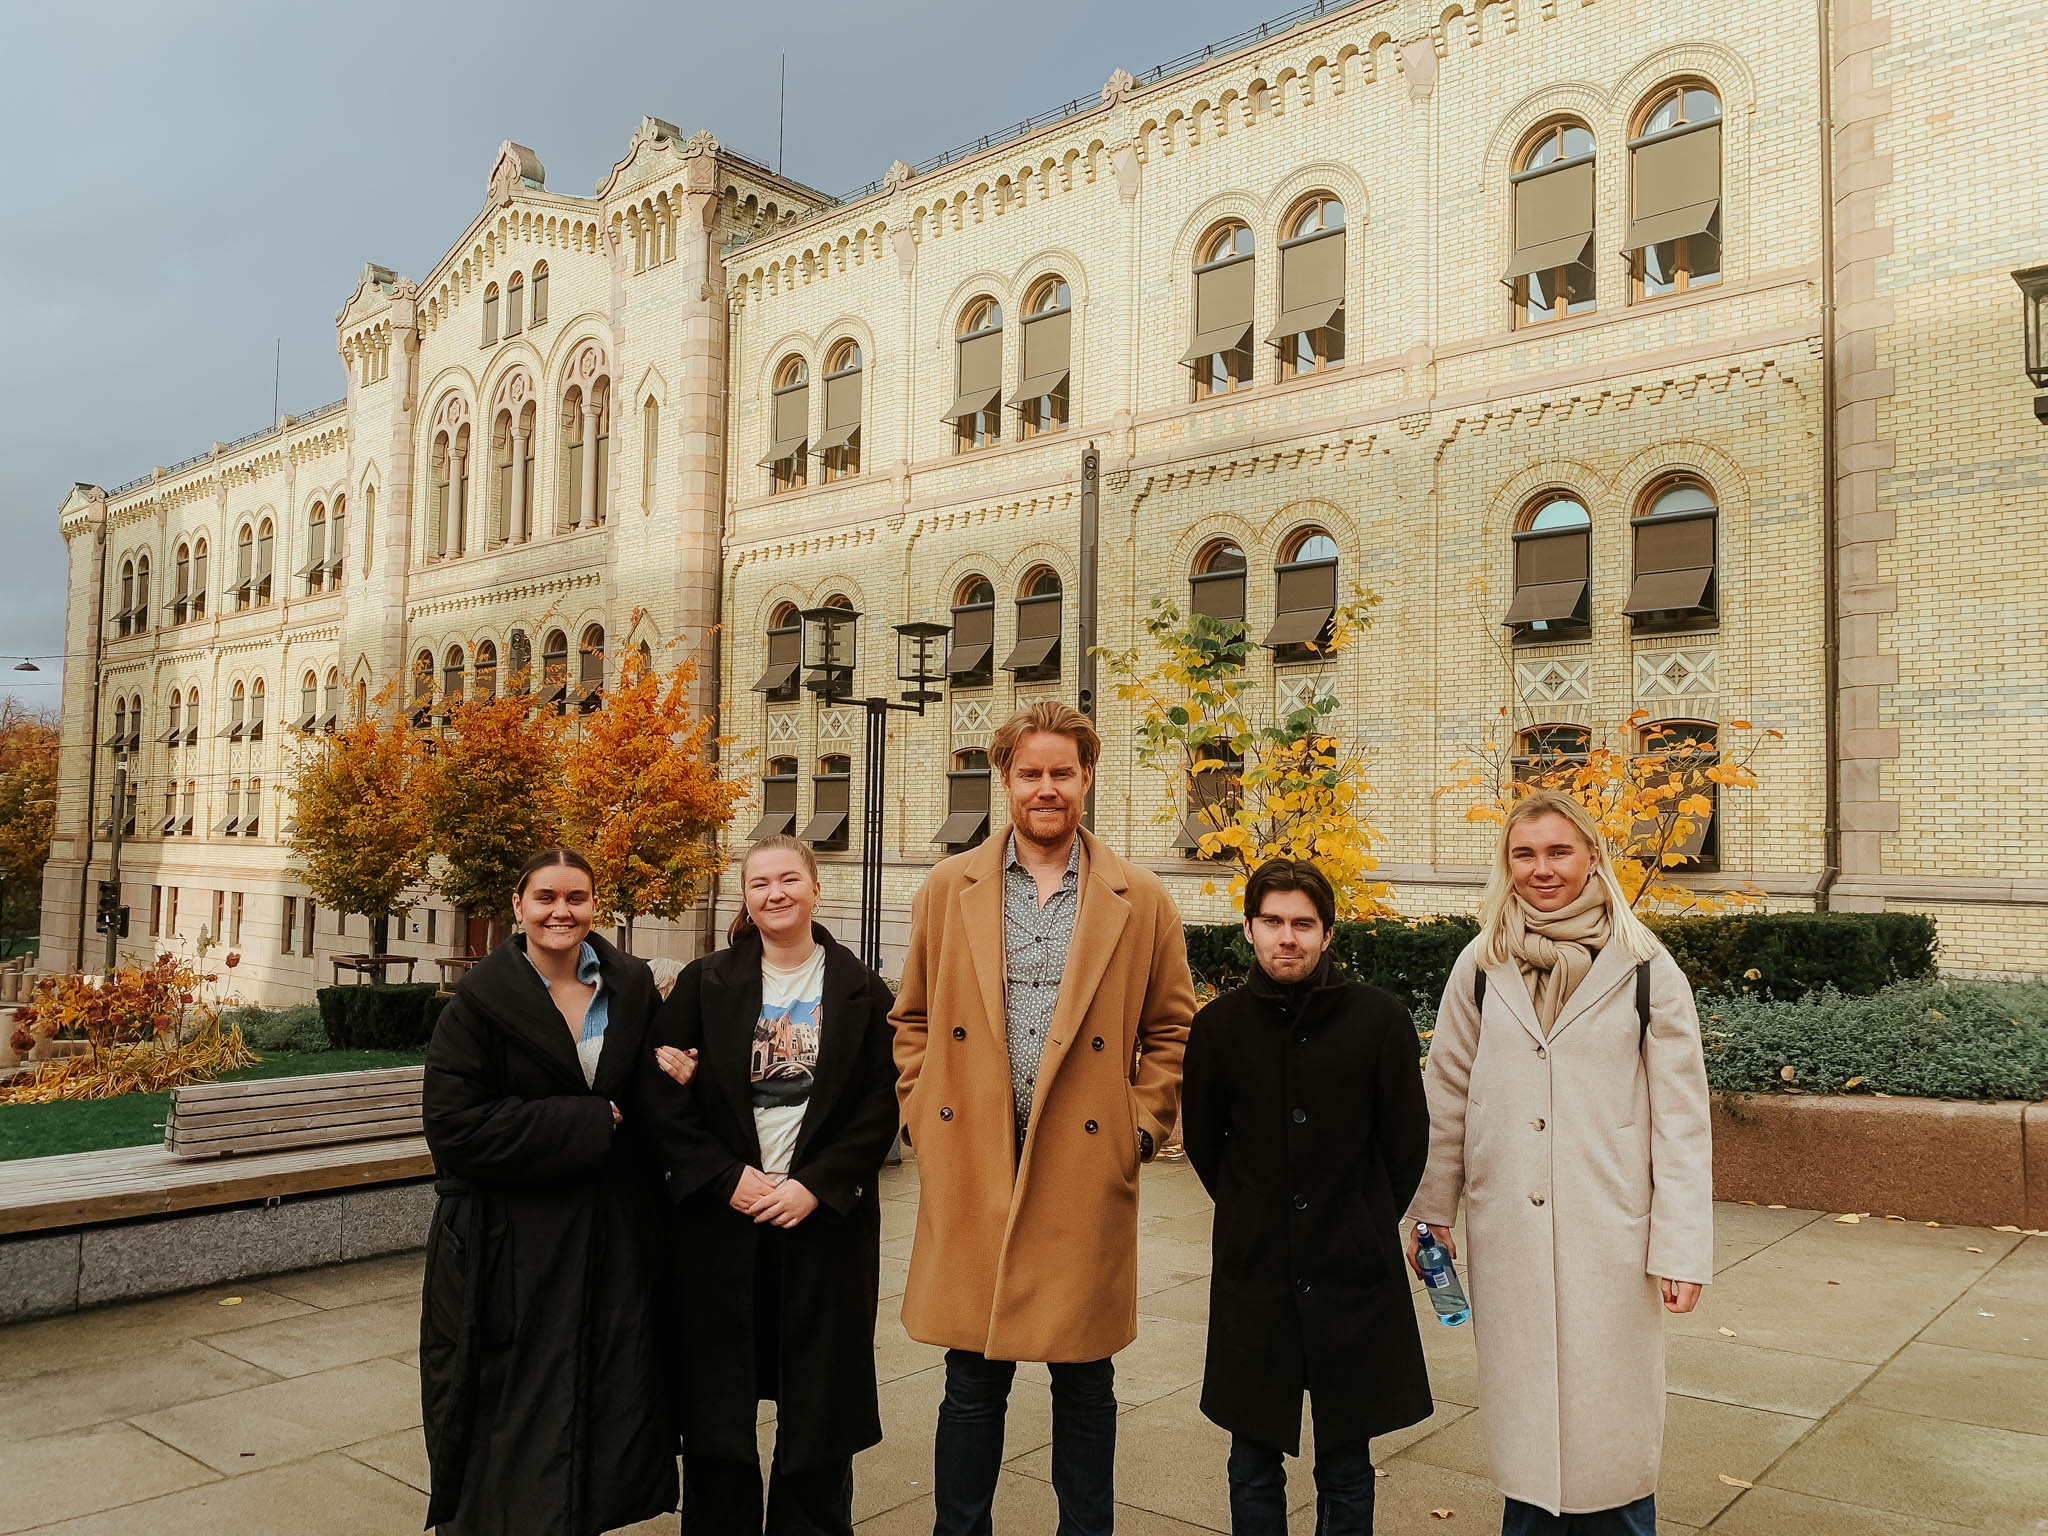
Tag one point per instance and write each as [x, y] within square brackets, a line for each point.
[187, 184]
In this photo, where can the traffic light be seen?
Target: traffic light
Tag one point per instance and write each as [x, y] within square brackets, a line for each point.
[109, 912]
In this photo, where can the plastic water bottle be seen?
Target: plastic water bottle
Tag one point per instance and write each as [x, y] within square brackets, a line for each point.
[1440, 1275]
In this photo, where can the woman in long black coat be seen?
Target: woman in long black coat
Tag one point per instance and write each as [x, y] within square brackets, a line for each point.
[541, 1378]
[772, 1153]
[1303, 1113]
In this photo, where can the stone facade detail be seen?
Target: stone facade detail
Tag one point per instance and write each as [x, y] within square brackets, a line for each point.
[1673, 674]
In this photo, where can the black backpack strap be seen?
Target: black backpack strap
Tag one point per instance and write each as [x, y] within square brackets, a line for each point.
[1479, 989]
[1642, 1003]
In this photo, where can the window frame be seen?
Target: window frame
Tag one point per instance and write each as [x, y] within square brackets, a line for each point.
[1706, 614]
[1325, 343]
[1684, 257]
[1218, 374]
[1523, 287]
[982, 428]
[1546, 630]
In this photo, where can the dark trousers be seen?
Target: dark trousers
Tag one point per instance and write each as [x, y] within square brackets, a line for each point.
[1637, 1519]
[968, 1452]
[723, 1498]
[1258, 1490]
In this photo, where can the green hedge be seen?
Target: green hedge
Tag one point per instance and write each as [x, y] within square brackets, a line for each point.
[397, 1017]
[299, 1028]
[1927, 1039]
[1790, 953]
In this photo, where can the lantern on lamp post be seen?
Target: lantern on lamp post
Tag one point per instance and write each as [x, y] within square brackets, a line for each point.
[2033, 282]
[830, 655]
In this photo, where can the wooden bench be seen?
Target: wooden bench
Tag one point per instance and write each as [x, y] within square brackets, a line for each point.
[281, 1113]
[372, 966]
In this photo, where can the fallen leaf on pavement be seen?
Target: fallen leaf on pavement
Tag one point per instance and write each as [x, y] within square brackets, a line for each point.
[1934, 1223]
[1847, 1220]
[1973, 1250]
[1895, 1218]
[2005, 1229]
[231, 1301]
[1834, 1282]
[1774, 1207]
[1735, 1482]
[1443, 1514]
[1727, 1333]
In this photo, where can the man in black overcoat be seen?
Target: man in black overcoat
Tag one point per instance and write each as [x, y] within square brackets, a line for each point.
[1303, 1112]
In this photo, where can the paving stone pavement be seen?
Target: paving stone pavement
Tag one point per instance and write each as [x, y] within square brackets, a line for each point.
[1874, 1379]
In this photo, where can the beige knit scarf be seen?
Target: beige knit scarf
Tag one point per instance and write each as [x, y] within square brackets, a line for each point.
[1556, 949]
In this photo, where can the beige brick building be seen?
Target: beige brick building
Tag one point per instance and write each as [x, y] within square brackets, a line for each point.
[1644, 359]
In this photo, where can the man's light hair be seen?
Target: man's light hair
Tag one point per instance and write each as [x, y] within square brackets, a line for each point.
[1051, 716]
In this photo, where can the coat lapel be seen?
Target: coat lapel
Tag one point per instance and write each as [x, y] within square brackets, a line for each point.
[843, 1022]
[1506, 981]
[1098, 928]
[729, 1019]
[1610, 968]
[518, 996]
[627, 1011]
[981, 909]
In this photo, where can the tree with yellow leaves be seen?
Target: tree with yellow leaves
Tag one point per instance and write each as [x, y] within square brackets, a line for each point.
[359, 839]
[1252, 781]
[28, 810]
[1653, 797]
[493, 793]
[645, 799]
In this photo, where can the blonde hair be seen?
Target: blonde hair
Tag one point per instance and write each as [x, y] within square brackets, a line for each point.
[743, 923]
[1626, 928]
[1052, 717]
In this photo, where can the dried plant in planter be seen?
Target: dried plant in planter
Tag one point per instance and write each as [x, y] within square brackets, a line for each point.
[147, 1029]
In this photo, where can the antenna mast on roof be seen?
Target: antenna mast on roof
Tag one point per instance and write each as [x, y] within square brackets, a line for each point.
[276, 372]
[781, 101]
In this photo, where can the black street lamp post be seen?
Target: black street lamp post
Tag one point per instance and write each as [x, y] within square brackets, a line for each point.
[2033, 283]
[830, 649]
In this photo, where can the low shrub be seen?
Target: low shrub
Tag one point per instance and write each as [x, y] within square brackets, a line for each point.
[274, 1030]
[397, 1017]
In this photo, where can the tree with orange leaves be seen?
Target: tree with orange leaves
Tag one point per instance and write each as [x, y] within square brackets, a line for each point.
[644, 796]
[359, 839]
[28, 811]
[493, 795]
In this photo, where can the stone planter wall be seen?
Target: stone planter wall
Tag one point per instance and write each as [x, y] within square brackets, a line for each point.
[1923, 1159]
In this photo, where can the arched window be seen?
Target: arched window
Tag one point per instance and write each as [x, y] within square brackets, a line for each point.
[491, 315]
[176, 734]
[309, 703]
[977, 411]
[515, 302]
[970, 660]
[789, 413]
[501, 479]
[265, 540]
[188, 811]
[486, 671]
[181, 596]
[252, 809]
[314, 571]
[1553, 554]
[839, 443]
[1040, 600]
[1551, 271]
[540, 293]
[141, 615]
[519, 664]
[1048, 357]
[1684, 749]
[119, 740]
[1674, 220]
[422, 704]
[831, 803]
[600, 478]
[134, 743]
[650, 450]
[1673, 584]
[590, 669]
[778, 800]
[256, 697]
[359, 703]
[967, 801]
[554, 668]
[642, 663]
[1304, 595]
[453, 668]
[458, 512]
[230, 822]
[330, 702]
[369, 527]
[525, 443]
[199, 578]
[1221, 352]
[337, 541]
[1217, 581]
[245, 567]
[1310, 330]
[780, 683]
[192, 717]
[1545, 755]
[126, 613]
[238, 704]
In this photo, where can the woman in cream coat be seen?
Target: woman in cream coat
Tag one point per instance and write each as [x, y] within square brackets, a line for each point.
[1573, 1122]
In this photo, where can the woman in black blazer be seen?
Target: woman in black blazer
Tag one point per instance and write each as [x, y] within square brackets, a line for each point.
[541, 1381]
[771, 1153]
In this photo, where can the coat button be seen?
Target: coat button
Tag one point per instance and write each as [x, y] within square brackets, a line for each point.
[1301, 1037]
[1301, 1202]
[945, 1111]
[1542, 1054]
[1301, 1117]
[1301, 1287]
[1535, 1199]
[1536, 1124]
[1095, 1044]
[1093, 1127]
[959, 1033]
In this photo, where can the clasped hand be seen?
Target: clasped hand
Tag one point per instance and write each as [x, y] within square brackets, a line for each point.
[760, 1197]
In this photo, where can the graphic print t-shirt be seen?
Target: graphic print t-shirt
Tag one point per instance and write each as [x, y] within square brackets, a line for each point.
[785, 1057]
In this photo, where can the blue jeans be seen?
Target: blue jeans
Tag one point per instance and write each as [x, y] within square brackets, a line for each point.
[967, 1454]
[1637, 1519]
[1258, 1490]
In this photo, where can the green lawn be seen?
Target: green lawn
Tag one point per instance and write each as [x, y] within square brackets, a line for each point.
[137, 1119]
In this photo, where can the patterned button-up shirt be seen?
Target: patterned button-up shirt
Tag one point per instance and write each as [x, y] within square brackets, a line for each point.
[1035, 941]
[597, 1016]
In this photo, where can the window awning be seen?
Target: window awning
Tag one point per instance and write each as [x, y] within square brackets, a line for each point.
[1677, 180]
[774, 824]
[227, 826]
[971, 402]
[1207, 343]
[330, 721]
[778, 676]
[1048, 355]
[1668, 591]
[1223, 310]
[232, 731]
[1296, 626]
[1031, 651]
[1219, 594]
[1545, 602]
[250, 826]
[1311, 284]
[842, 411]
[135, 740]
[554, 693]
[185, 826]
[1294, 321]
[170, 737]
[311, 568]
[1567, 251]
[825, 827]
[192, 734]
[961, 827]
[116, 743]
[256, 730]
[305, 725]
[168, 829]
[1191, 829]
[834, 438]
[967, 658]
[1553, 220]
